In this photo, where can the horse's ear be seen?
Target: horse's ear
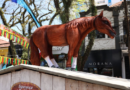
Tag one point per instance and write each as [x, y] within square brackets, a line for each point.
[101, 14]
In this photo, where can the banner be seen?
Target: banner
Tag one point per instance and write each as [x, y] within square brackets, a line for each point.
[13, 35]
[13, 61]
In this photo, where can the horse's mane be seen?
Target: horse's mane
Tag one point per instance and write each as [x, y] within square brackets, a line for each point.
[77, 22]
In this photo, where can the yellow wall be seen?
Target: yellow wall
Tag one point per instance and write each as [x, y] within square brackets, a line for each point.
[3, 51]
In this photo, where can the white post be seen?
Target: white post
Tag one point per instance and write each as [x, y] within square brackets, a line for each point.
[123, 67]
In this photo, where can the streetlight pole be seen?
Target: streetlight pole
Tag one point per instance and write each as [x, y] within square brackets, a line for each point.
[128, 31]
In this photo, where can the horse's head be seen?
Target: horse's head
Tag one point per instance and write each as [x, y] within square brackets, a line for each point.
[103, 25]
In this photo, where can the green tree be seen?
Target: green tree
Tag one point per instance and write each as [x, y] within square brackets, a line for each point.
[83, 59]
[66, 10]
[3, 18]
[20, 18]
[77, 6]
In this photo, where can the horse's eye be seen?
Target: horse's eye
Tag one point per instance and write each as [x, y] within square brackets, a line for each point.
[106, 22]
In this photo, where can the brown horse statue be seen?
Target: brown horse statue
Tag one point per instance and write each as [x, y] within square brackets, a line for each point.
[71, 34]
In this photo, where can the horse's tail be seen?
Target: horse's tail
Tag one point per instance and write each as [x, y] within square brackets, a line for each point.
[35, 60]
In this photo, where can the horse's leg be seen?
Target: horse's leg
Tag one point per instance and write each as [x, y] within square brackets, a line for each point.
[75, 55]
[51, 57]
[55, 63]
[70, 54]
[74, 63]
[73, 39]
[45, 54]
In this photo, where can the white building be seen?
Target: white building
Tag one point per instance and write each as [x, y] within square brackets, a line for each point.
[106, 2]
[103, 45]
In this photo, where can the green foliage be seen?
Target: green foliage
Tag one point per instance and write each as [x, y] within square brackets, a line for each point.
[78, 6]
[93, 8]
[25, 54]
[69, 9]
[64, 15]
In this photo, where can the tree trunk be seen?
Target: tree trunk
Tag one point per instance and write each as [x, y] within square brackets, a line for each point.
[13, 52]
[88, 49]
[82, 59]
[64, 15]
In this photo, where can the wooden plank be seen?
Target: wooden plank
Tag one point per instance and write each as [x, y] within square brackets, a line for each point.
[81, 76]
[1, 80]
[101, 87]
[85, 86]
[26, 76]
[34, 77]
[15, 78]
[30, 76]
[71, 84]
[90, 86]
[46, 82]
[110, 88]
[96, 87]
[58, 83]
[5, 81]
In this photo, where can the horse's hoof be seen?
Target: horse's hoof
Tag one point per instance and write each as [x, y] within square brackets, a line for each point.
[73, 69]
[52, 66]
[58, 67]
[68, 68]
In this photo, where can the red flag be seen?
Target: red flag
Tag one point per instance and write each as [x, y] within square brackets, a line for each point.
[16, 39]
[9, 36]
[23, 43]
[13, 32]
[12, 61]
[7, 60]
[4, 34]
[0, 32]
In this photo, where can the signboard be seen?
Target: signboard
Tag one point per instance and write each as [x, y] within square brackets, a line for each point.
[107, 59]
[25, 86]
[100, 2]
[57, 48]
[3, 52]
